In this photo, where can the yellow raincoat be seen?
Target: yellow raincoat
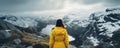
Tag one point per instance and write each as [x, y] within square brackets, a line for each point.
[59, 38]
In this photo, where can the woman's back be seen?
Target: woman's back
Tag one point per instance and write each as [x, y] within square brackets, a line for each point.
[60, 38]
[59, 34]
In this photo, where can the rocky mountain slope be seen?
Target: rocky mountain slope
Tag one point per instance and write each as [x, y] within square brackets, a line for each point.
[103, 30]
[13, 36]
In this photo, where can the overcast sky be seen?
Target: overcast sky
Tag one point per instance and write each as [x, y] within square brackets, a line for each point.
[36, 6]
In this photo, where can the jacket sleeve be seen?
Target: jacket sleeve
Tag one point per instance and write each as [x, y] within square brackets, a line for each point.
[66, 39]
[51, 41]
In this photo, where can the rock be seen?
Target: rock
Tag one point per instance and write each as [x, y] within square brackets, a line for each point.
[38, 46]
[29, 47]
[17, 41]
[4, 34]
[5, 47]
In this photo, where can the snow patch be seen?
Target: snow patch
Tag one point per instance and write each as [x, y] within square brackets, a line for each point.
[47, 29]
[110, 28]
[94, 41]
[71, 38]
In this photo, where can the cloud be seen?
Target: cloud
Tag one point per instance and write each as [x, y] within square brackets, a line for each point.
[29, 5]
[88, 1]
[105, 2]
[43, 5]
[112, 2]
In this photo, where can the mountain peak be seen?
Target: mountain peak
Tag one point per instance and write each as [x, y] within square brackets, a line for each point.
[112, 9]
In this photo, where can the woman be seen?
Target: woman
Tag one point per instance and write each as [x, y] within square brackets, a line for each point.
[59, 36]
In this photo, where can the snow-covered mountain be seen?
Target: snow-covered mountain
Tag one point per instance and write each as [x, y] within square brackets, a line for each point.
[27, 22]
[107, 21]
[99, 30]
[20, 21]
[102, 29]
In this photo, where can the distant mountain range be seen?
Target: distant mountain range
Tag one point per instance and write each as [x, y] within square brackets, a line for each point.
[100, 30]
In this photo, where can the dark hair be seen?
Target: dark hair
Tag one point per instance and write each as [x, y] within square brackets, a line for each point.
[59, 23]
